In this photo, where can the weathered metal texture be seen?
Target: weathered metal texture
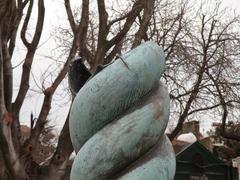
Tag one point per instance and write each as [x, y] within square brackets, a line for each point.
[125, 139]
[158, 164]
[119, 116]
[113, 90]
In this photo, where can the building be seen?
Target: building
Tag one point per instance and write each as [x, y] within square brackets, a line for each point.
[236, 164]
[192, 127]
[195, 162]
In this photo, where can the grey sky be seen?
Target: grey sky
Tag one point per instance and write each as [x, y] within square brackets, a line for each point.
[55, 15]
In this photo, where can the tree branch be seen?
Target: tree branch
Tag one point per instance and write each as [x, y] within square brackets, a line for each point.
[70, 15]
[103, 21]
[191, 98]
[25, 25]
[60, 159]
[48, 93]
[83, 29]
[223, 132]
[136, 9]
[147, 14]
[24, 85]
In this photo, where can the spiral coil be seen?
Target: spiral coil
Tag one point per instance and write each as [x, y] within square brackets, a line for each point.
[118, 119]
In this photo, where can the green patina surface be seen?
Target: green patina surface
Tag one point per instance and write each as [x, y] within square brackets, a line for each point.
[124, 140]
[120, 115]
[159, 164]
[113, 90]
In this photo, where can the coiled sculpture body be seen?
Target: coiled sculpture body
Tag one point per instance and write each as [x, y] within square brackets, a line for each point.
[118, 119]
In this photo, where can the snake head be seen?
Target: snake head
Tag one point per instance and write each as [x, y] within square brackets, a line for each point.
[78, 75]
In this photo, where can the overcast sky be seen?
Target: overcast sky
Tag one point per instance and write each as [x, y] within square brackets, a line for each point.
[55, 15]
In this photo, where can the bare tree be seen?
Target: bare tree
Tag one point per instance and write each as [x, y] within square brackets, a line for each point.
[202, 52]
[10, 132]
[202, 56]
[18, 157]
[201, 48]
[198, 43]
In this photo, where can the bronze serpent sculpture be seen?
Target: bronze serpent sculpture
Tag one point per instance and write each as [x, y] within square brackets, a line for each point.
[118, 118]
